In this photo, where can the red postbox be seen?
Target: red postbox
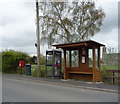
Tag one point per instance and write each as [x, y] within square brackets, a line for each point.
[21, 63]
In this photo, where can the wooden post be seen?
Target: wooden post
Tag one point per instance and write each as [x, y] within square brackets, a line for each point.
[70, 61]
[65, 72]
[79, 56]
[113, 80]
[38, 39]
[94, 69]
[99, 61]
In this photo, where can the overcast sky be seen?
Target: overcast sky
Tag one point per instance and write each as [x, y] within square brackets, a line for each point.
[18, 29]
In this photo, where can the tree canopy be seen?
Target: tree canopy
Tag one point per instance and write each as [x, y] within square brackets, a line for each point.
[69, 21]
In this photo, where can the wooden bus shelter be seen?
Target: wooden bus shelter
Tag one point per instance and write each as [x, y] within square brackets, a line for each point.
[82, 60]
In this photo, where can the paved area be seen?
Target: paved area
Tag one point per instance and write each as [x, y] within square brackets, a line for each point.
[70, 83]
[15, 90]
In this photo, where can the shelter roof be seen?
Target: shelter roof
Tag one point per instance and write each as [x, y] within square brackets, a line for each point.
[87, 43]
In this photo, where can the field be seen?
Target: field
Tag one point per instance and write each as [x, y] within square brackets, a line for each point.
[109, 67]
[104, 73]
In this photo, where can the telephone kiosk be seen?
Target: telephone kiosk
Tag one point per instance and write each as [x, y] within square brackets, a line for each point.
[53, 63]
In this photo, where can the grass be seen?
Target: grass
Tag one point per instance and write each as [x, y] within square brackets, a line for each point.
[109, 67]
[34, 70]
[104, 73]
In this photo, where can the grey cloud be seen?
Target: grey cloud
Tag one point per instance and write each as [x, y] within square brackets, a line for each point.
[18, 27]
[15, 12]
[111, 20]
[119, 26]
[109, 24]
[21, 39]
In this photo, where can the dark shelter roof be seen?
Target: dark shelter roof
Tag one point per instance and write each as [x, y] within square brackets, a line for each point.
[87, 43]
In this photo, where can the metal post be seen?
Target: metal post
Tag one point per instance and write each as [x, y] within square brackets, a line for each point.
[53, 63]
[38, 38]
[21, 70]
[46, 66]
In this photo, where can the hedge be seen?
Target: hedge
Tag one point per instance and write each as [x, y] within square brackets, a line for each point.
[10, 60]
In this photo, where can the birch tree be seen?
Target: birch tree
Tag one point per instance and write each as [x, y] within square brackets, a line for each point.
[70, 21]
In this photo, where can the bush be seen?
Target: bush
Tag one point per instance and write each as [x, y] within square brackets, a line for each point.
[21, 70]
[10, 60]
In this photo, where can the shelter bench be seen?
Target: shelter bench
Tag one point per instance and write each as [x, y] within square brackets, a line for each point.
[80, 72]
[81, 75]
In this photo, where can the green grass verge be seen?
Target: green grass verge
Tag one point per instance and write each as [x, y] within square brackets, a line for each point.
[34, 70]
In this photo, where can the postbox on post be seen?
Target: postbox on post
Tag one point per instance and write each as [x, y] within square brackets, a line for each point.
[53, 63]
[21, 65]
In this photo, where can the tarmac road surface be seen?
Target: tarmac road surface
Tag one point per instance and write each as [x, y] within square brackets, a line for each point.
[25, 91]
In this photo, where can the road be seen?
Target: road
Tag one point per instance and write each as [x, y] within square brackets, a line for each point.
[25, 91]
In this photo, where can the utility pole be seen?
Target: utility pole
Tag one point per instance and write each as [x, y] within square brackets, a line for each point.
[38, 39]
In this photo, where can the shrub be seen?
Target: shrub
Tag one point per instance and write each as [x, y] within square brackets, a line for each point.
[20, 70]
[10, 60]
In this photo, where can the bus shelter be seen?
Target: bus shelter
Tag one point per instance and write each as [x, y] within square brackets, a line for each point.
[82, 60]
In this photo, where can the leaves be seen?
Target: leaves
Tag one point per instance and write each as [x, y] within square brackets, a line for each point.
[66, 21]
[70, 22]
